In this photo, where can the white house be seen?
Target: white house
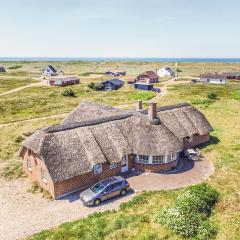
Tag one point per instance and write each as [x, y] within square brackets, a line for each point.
[50, 71]
[166, 72]
[213, 78]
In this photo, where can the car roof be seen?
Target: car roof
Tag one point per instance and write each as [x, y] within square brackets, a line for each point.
[111, 180]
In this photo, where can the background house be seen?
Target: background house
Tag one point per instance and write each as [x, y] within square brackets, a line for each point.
[50, 71]
[166, 72]
[2, 69]
[116, 73]
[143, 86]
[148, 76]
[113, 84]
[215, 78]
[63, 81]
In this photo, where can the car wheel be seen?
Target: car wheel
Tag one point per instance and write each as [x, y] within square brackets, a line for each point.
[123, 192]
[97, 202]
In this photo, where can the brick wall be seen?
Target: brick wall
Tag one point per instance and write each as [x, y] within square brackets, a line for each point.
[197, 140]
[155, 168]
[35, 173]
[85, 180]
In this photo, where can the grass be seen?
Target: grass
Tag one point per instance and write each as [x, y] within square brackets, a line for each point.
[41, 101]
[9, 84]
[135, 219]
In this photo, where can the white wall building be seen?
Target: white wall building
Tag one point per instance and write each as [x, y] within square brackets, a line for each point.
[166, 72]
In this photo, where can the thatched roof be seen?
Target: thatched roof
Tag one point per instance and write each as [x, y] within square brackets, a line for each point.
[95, 133]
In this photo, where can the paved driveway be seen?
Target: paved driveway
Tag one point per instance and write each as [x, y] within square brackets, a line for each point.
[23, 213]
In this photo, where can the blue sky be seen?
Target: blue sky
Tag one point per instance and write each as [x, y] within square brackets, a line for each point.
[119, 28]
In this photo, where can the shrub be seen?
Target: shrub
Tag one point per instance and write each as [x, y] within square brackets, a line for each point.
[189, 214]
[96, 86]
[212, 96]
[19, 139]
[68, 93]
[236, 95]
[15, 67]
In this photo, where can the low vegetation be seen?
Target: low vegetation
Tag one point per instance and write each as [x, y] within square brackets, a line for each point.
[68, 92]
[36, 188]
[189, 214]
[15, 67]
[96, 86]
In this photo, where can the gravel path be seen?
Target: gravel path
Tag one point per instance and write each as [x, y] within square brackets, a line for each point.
[23, 213]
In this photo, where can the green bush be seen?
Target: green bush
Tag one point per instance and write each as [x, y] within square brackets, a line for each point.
[15, 67]
[212, 96]
[189, 214]
[236, 95]
[68, 93]
[96, 86]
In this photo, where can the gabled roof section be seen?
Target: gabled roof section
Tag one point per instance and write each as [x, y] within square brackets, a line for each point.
[91, 111]
[52, 68]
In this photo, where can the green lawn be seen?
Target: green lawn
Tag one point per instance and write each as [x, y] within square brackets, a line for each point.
[9, 84]
[43, 101]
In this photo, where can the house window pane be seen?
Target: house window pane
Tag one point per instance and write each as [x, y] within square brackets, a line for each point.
[44, 175]
[29, 164]
[158, 159]
[143, 159]
[113, 165]
[97, 168]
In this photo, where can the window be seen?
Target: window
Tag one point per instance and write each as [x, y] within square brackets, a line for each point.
[44, 175]
[143, 159]
[97, 168]
[117, 185]
[29, 164]
[171, 157]
[109, 188]
[113, 165]
[158, 159]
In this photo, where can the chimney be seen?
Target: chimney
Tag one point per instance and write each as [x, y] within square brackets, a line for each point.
[139, 105]
[152, 111]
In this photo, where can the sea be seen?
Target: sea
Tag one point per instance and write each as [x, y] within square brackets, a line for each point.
[101, 59]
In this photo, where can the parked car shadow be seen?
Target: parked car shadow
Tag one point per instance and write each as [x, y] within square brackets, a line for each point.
[130, 192]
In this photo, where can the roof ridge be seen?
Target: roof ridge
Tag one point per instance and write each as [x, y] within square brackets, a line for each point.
[63, 127]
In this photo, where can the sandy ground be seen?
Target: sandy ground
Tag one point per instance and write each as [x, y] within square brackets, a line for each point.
[23, 213]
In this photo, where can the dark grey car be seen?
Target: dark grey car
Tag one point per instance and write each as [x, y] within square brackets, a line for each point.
[105, 189]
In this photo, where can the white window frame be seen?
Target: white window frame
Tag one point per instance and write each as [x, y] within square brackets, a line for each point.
[113, 165]
[29, 164]
[158, 159]
[97, 168]
[171, 157]
[44, 175]
[144, 159]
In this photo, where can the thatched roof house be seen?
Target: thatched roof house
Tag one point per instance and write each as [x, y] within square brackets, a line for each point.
[95, 136]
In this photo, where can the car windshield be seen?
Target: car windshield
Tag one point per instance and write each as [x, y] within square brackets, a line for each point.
[97, 188]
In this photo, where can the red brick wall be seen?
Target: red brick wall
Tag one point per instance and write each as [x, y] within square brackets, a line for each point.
[197, 140]
[155, 168]
[35, 173]
[85, 180]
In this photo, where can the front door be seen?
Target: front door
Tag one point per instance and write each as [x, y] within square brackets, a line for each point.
[124, 164]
